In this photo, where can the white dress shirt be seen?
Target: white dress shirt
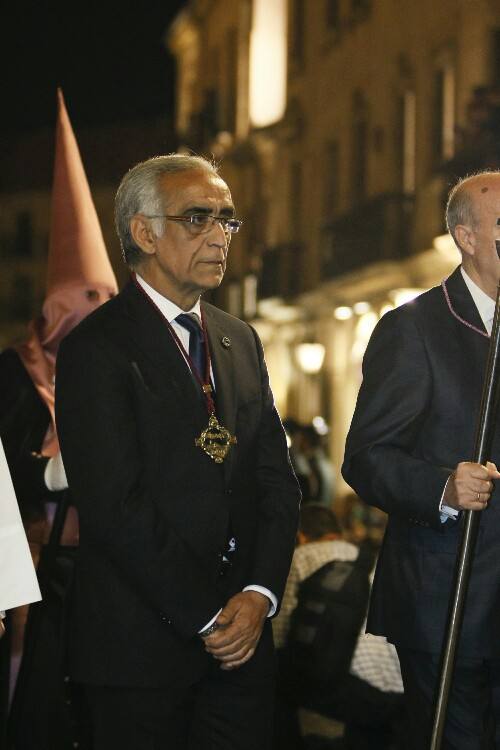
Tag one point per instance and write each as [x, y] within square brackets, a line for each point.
[170, 311]
[486, 309]
[485, 305]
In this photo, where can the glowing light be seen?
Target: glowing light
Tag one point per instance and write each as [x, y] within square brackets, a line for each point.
[365, 325]
[401, 296]
[268, 55]
[361, 307]
[342, 313]
[320, 425]
[446, 247]
[310, 357]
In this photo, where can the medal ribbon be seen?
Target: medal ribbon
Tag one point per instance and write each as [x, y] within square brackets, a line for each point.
[203, 383]
[456, 315]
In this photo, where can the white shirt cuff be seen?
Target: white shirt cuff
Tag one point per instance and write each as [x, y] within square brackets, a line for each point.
[2, 614]
[211, 622]
[445, 511]
[266, 592]
[253, 587]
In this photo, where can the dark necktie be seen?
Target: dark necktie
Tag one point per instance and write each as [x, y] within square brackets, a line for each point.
[190, 322]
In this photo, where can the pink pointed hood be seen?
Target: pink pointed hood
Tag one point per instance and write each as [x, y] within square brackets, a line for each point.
[79, 274]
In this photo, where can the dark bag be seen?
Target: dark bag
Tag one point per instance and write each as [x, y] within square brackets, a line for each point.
[326, 623]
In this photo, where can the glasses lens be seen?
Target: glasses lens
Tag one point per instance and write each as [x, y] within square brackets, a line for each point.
[200, 222]
[233, 225]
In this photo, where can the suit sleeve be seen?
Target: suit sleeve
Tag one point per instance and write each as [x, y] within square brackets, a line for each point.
[118, 511]
[279, 495]
[381, 463]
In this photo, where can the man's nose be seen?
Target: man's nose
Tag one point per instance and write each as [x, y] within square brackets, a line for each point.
[217, 235]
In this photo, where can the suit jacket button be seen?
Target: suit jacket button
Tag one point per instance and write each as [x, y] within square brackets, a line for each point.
[229, 491]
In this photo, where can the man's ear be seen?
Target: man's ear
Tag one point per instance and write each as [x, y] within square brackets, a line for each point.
[142, 234]
[466, 239]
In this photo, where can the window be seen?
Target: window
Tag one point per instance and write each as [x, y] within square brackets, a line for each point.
[21, 300]
[444, 111]
[408, 141]
[24, 235]
[360, 9]
[496, 55]
[296, 203]
[268, 54]
[332, 14]
[359, 148]
[297, 31]
[331, 180]
[229, 122]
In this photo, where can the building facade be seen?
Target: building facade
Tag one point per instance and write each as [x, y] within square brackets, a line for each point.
[341, 125]
[107, 152]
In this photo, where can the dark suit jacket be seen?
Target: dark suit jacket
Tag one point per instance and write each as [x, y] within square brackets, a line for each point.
[415, 419]
[155, 510]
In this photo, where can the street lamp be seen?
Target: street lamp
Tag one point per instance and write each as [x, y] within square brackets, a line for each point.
[310, 357]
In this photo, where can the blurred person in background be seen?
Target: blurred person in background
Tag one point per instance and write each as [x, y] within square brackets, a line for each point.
[327, 662]
[313, 468]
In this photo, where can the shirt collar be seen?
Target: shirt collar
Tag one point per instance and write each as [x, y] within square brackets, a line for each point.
[168, 308]
[485, 305]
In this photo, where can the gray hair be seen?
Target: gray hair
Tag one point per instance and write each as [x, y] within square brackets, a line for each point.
[139, 193]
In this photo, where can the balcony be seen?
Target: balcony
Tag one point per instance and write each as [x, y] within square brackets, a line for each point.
[380, 229]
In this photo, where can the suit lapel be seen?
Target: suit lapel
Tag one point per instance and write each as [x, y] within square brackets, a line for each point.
[461, 303]
[223, 367]
[151, 336]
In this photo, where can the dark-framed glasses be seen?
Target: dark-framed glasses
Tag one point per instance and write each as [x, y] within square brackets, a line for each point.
[201, 223]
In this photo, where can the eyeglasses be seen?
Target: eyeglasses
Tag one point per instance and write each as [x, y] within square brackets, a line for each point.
[201, 223]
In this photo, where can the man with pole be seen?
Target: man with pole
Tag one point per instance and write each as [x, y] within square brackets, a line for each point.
[408, 452]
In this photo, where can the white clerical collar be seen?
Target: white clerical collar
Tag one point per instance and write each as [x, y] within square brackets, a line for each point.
[168, 308]
[485, 305]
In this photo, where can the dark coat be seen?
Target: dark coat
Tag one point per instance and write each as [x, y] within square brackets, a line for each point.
[155, 510]
[415, 419]
[24, 420]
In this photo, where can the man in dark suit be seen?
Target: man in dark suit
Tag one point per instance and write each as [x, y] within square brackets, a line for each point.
[407, 450]
[187, 526]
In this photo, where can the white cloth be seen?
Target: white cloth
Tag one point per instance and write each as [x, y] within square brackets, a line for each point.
[170, 311]
[18, 581]
[55, 475]
[485, 305]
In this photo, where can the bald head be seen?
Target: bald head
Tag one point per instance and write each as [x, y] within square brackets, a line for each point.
[473, 218]
[465, 198]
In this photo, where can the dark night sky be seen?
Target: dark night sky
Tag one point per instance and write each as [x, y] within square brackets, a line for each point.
[109, 58]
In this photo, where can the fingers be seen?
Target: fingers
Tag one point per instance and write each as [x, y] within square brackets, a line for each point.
[226, 666]
[492, 469]
[471, 487]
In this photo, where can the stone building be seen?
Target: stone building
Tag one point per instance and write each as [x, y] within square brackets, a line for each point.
[340, 125]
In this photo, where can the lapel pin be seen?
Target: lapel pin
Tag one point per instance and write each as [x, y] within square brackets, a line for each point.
[226, 342]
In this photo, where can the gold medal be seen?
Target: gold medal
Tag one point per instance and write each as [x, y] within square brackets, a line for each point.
[216, 441]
